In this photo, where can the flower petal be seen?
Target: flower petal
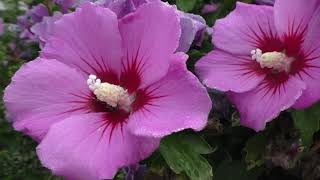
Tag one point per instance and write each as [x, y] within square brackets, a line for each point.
[150, 36]
[246, 28]
[226, 72]
[43, 92]
[188, 32]
[87, 39]
[176, 102]
[293, 16]
[193, 28]
[78, 148]
[311, 73]
[43, 29]
[261, 105]
[311, 77]
[311, 43]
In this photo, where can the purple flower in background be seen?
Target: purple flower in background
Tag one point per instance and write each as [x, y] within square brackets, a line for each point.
[193, 27]
[38, 12]
[36, 24]
[267, 59]
[135, 172]
[1, 26]
[265, 2]
[43, 29]
[65, 4]
[105, 91]
[124, 7]
[23, 21]
[209, 8]
[24, 24]
[32, 17]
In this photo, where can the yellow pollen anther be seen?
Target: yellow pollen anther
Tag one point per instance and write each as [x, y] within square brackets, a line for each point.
[277, 61]
[113, 95]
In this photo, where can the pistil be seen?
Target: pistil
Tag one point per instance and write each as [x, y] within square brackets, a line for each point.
[278, 61]
[114, 95]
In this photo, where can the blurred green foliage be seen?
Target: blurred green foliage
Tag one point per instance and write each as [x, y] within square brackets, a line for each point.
[308, 121]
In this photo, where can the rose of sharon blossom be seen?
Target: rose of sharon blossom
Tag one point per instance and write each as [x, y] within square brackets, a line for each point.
[268, 60]
[105, 91]
[65, 4]
[209, 8]
[32, 17]
[38, 12]
[193, 27]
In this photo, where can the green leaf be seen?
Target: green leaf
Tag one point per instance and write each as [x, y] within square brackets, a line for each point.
[186, 5]
[308, 121]
[196, 143]
[158, 164]
[231, 170]
[182, 152]
[255, 149]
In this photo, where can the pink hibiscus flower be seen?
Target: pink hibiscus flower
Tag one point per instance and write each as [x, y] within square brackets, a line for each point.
[105, 91]
[267, 59]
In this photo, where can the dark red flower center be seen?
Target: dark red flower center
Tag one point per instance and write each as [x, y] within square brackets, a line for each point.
[130, 81]
[117, 109]
[289, 45]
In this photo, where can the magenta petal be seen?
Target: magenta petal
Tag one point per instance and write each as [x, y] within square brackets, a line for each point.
[311, 94]
[87, 39]
[37, 122]
[241, 30]
[311, 43]
[78, 148]
[226, 72]
[293, 16]
[261, 105]
[178, 101]
[150, 36]
[41, 93]
[311, 73]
